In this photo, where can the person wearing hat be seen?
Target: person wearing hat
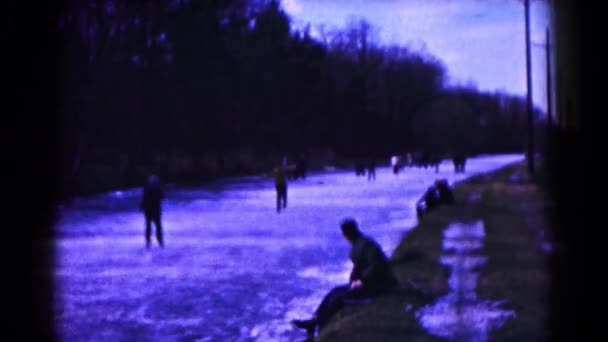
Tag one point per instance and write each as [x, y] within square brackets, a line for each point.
[370, 277]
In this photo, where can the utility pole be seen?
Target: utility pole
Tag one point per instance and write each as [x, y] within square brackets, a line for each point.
[549, 104]
[530, 152]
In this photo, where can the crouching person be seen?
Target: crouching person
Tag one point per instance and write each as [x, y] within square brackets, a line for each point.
[438, 193]
[446, 196]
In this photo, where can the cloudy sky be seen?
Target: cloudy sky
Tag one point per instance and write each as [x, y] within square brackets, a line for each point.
[479, 41]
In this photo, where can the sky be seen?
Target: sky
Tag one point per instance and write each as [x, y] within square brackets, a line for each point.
[480, 41]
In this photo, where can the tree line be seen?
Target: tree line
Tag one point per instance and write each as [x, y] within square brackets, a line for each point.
[193, 90]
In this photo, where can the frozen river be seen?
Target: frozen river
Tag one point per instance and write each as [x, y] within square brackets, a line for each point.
[232, 269]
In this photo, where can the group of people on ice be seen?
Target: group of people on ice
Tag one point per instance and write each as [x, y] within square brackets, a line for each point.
[371, 275]
[439, 193]
[425, 160]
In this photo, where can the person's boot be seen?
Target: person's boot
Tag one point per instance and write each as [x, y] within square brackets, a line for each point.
[308, 324]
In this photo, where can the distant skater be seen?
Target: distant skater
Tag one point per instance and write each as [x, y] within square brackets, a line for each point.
[371, 171]
[459, 163]
[151, 206]
[280, 182]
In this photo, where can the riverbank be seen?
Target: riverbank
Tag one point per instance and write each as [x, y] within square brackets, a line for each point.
[513, 209]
